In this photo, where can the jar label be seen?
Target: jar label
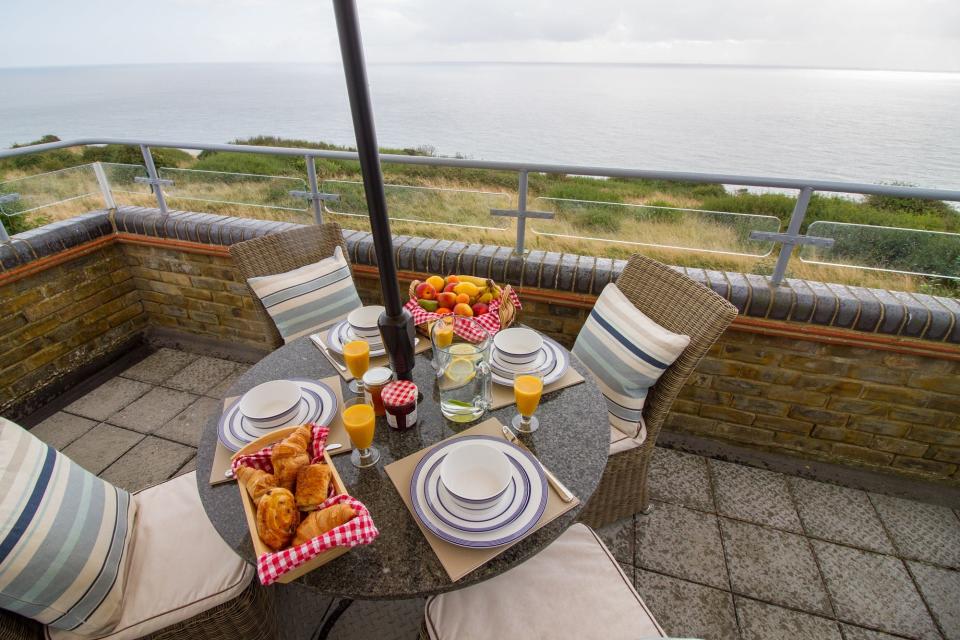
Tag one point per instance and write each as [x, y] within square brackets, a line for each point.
[410, 419]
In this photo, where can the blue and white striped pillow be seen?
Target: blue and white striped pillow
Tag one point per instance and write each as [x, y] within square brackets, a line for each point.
[65, 537]
[627, 352]
[308, 299]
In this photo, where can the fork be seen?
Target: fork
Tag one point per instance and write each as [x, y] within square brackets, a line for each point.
[565, 493]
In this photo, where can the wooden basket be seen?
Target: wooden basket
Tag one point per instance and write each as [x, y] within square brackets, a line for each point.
[251, 510]
[507, 312]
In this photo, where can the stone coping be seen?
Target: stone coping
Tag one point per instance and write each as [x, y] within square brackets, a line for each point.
[878, 311]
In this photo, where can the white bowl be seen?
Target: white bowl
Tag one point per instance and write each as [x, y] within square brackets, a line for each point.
[364, 320]
[476, 475]
[270, 401]
[518, 345]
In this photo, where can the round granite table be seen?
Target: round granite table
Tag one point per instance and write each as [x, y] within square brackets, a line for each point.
[572, 441]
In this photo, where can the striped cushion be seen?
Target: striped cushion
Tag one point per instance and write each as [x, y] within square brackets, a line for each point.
[65, 537]
[308, 299]
[627, 352]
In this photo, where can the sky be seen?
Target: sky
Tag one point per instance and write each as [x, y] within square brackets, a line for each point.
[872, 34]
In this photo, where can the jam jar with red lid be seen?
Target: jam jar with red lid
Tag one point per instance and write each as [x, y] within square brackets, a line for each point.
[400, 401]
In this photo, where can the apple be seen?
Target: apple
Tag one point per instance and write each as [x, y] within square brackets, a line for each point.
[479, 309]
[449, 287]
[447, 299]
[426, 291]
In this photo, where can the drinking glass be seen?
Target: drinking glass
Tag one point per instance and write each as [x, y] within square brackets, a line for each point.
[441, 336]
[360, 421]
[356, 355]
[463, 368]
[527, 389]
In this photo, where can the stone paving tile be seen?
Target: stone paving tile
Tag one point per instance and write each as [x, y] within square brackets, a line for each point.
[150, 462]
[941, 589]
[110, 397]
[187, 468]
[755, 495]
[873, 590]
[153, 410]
[686, 609]
[683, 543]
[186, 426]
[202, 375]
[61, 429]
[681, 478]
[221, 389]
[98, 448]
[159, 366]
[773, 566]
[839, 514]
[851, 632]
[619, 537]
[761, 621]
[921, 531]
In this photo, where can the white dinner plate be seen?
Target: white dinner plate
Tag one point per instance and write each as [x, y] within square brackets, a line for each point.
[557, 365]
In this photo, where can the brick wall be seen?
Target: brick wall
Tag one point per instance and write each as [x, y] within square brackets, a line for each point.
[60, 319]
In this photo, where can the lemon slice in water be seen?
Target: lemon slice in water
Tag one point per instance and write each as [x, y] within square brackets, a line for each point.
[460, 371]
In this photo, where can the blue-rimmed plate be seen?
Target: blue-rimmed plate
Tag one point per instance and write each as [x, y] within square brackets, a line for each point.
[318, 403]
[557, 363]
[504, 523]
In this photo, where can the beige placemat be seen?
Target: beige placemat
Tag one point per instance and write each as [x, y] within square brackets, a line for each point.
[338, 434]
[459, 561]
[503, 396]
[380, 361]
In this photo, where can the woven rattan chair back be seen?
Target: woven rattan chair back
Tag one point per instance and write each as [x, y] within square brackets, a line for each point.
[282, 252]
[682, 305]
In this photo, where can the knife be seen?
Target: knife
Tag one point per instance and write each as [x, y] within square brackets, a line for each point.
[565, 494]
[315, 339]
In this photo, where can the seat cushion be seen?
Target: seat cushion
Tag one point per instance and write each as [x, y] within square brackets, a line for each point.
[65, 537]
[572, 589]
[308, 299]
[180, 567]
[627, 352]
[620, 442]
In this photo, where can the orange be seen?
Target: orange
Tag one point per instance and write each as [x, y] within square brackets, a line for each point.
[463, 309]
[452, 279]
[437, 282]
[463, 299]
[442, 311]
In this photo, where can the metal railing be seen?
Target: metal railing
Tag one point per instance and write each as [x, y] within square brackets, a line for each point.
[315, 197]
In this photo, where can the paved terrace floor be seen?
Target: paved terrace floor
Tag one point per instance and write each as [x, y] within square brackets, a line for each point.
[729, 551]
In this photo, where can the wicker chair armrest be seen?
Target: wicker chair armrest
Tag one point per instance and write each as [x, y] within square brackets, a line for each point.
[15, 627]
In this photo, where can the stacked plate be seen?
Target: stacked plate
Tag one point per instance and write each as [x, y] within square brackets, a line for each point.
[273, 405]
[518, 351]
[478, 491]
[361, 324]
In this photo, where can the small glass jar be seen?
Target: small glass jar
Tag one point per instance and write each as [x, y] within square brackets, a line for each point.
[400, 401]
[374, 381]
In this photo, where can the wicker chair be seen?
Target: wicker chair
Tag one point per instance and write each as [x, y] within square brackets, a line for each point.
[282, 252]
[681, 305]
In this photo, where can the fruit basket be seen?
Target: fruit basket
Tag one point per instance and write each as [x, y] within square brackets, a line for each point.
[494, 307]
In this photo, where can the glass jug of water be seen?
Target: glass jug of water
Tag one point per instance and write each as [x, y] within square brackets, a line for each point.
[461, 353]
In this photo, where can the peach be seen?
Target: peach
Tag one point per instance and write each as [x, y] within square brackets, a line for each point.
[463, 298]
[426, 291]
[463, 309]
[447, 299]
[449, 287]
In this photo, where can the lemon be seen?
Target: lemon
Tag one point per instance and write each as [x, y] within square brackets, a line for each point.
[462, 349]
[460, 371]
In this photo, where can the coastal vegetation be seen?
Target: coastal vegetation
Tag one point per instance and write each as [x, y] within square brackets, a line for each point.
[680, 223]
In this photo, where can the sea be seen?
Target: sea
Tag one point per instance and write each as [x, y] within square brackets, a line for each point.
[858, 125]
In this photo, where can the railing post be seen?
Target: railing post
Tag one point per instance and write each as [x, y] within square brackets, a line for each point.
[105, 190]
[315, 199]
[787, 246]
[521, 209]
[154, 178]
[4, 236]
[6, 197]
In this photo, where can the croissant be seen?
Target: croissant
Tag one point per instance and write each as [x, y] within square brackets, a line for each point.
[313, 485]
[289, 455]
[277, 518]
[319, 522]
[257, 482]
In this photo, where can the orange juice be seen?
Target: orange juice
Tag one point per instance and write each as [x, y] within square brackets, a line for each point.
[356, 355]
[527, 390]
[444, 335]
[360, 420]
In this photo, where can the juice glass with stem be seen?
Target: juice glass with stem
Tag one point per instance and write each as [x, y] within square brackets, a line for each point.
[356, 355]
[360, 421]
[527, 389]
[441, 336]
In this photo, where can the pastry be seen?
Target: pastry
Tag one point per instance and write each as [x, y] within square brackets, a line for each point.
[319, 522]
[277, 518]
[257, 482]
[313, 486]
[289, 455]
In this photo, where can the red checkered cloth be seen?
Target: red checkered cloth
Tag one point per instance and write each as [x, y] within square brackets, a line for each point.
[399, 393]
[359, 530]
[489, 320]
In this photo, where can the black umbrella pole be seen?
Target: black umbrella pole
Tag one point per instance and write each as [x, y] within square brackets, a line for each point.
[396, 324]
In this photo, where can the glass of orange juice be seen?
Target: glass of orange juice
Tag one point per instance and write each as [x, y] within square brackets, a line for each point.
[441, 335]
[356, 355]
[360, 421]
[527, 389]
